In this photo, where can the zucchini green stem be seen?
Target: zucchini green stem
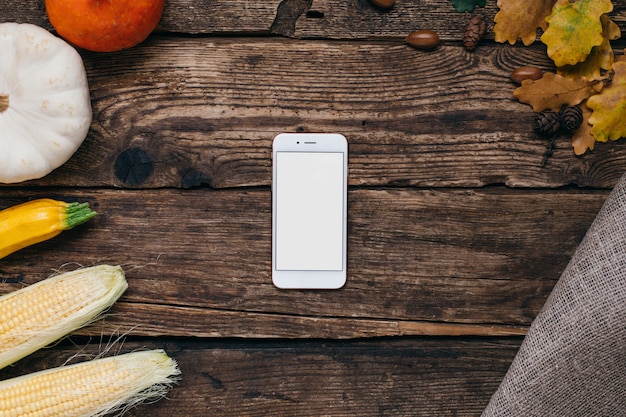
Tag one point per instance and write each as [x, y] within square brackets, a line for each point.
[78, 213]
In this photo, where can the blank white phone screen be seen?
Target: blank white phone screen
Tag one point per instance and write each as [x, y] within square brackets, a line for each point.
[309, 211]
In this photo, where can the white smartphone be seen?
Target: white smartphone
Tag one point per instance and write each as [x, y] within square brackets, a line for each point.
[309, 210]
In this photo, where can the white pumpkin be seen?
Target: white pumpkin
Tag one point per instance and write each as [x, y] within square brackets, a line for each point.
[45, 110]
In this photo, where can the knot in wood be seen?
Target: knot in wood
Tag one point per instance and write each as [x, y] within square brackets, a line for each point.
[133, 166]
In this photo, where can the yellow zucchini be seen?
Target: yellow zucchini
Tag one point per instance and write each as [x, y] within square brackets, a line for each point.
[38, 220]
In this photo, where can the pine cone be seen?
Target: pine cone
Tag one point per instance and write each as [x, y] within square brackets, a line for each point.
[547, 123]
[474, 32]
[571, 118]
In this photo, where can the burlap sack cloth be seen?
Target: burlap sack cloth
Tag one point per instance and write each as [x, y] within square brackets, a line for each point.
[572, 362]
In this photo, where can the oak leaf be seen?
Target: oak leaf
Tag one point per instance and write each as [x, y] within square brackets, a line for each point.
[553, 91]
[574, 28]
[600, 58]
[520, 19]
[467, 5]
[582, 139]
[609, 107]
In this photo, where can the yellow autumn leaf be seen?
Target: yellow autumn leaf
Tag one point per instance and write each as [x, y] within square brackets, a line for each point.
[520, 19]
[582, 139]
[601, 57]
[609, 107]
[574, 28]
[553, 91]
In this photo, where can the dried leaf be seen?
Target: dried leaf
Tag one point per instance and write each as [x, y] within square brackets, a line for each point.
[609, 107]
[610, 29]
[574, 28]
[582, 139]
[520, 19]
[467, 5]
[553, 91]
[601, 57]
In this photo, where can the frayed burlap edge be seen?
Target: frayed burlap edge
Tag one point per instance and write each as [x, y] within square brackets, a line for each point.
[572, 362]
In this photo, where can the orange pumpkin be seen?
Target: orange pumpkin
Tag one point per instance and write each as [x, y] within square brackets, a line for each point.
[104, 25]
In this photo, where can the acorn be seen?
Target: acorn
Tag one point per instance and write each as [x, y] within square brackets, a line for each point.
[527, 72]
[383, 4]
[424, 39]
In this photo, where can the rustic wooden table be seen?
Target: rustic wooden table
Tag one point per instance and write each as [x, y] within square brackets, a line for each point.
[457, 233]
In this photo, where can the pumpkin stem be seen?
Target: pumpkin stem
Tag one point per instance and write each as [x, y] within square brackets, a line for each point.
[4, 102]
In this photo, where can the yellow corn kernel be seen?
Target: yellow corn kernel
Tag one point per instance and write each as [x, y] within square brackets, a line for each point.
[37, 315]
[35, 221]
[92, 388]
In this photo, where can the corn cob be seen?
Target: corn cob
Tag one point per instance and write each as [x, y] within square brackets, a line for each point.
[41, 313]
[35, 221]
[89, 389]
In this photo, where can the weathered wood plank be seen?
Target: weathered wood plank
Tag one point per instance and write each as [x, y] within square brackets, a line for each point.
[413, 377]
[359, 19]
[186, 209]
[155, 320]
[204, 111]
[202, 258]
[335, 19]
[29, 11]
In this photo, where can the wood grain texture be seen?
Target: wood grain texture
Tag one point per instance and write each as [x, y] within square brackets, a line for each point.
[327, 19]
[204, 111]
[456, 230]
[202, 259]
[404, 378]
